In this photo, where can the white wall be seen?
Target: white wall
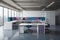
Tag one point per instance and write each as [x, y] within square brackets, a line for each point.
[48, 14]
[51, 17]
[33, 14]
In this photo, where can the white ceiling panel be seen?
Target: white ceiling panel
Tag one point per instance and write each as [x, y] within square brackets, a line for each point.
[30, 4]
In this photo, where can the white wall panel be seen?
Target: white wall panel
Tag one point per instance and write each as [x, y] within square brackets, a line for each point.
[34, 14]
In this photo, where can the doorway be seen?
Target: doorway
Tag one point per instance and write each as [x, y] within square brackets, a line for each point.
[57, 18]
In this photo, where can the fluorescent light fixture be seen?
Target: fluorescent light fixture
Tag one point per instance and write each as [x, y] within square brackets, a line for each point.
[50, 4]
[43, 9]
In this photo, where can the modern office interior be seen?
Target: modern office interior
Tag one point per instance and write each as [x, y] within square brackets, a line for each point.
[29, 19]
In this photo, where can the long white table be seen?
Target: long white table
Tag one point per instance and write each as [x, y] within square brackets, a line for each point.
[21, 25]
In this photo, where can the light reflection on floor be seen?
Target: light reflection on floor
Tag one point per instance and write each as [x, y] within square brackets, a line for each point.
[14, 35]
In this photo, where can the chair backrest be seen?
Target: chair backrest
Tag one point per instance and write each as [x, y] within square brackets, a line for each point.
[28, 26]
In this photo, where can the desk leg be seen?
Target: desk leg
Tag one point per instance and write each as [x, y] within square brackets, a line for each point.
[37, 29]
[21, 29]
[44, 29]
[37, 32]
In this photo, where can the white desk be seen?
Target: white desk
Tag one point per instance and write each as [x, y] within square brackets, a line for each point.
[37, 24]
[8, 25]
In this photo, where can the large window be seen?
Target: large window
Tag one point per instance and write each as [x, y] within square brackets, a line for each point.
[10, 13]
[1, 15]
[13, 13]
[18, 14]
[5, 14]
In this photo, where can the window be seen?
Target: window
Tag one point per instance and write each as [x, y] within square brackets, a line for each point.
[18, 14]
[5, 14]
[13, 13]
[10, 13]
[1, 15]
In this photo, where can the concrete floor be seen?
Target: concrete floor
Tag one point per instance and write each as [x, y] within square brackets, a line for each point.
[14, 35]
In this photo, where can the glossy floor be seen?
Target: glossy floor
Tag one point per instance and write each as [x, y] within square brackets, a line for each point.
[14, 35]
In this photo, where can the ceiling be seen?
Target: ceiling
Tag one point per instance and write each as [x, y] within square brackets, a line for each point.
[38, 4]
